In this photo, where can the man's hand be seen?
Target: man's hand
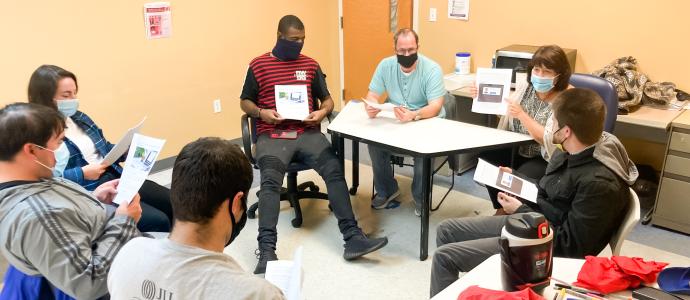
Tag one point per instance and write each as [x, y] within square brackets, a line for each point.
[106, 192]
[506, 170]
[270, 116]
[315, 117]
[133, 210]
[93, 171]
[371, 111]
[510, 204]
[404, 114]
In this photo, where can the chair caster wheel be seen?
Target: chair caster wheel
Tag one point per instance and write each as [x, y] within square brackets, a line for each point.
[296, 223]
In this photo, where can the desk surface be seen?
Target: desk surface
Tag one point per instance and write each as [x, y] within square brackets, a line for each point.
[458, 85]
[650, 117]
[487, 275]
[683, 120]
[434, 136]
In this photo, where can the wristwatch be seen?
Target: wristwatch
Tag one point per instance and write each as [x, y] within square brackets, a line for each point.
[418, 116]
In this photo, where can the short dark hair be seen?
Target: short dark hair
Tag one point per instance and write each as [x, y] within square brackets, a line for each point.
[43, 84]
[207, 172]
[583, 111]
[289, 21]
[553, 58]
[405, 31]
[24, 123]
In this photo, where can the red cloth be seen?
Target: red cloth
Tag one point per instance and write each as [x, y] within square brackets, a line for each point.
[617, 273]
[477, 293]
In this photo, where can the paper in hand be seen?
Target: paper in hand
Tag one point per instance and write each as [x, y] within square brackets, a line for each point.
[142, 155]
[493, 88]
[287, 275]
[292, 101]
[491, 175]
[121, 147]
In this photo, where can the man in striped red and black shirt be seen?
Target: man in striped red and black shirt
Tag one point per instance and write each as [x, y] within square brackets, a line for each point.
[280, 140]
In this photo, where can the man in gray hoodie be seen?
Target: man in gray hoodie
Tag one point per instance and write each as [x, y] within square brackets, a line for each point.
[584, 194]
[52, 227]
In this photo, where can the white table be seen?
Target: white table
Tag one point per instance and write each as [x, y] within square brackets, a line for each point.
[424, 139]
[488, 275]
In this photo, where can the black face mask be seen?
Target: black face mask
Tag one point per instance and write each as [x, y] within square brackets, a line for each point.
[237, 227]
[287, 50]
[407, 61]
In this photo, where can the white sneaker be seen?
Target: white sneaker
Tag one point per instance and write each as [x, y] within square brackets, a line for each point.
[381, 202]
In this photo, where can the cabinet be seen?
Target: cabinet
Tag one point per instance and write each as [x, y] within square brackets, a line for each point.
[672, 209]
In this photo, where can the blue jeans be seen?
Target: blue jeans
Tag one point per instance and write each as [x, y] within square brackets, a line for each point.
[384, 181]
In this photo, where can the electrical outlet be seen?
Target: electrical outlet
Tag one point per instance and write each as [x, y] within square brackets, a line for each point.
[432, 14]
[216, 106]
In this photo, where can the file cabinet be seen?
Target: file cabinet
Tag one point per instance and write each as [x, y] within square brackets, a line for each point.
[672, 208]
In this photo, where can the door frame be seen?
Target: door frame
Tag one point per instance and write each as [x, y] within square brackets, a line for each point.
[341, 58]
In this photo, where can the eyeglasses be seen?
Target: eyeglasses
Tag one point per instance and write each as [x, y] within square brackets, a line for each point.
[408, 51]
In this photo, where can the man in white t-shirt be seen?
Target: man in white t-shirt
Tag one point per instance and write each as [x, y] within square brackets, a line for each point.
[211, 178]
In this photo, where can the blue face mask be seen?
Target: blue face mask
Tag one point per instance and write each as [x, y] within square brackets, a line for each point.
[287, 50]
[542, 84]
[61, 159]
[68, 107]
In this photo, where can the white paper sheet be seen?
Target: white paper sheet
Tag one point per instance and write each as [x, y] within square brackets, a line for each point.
[292, 101]
[382, 106]
[157, 20]
[287, 275]
[142, 155]
[491, 175]
[459, 9]
[122, 146]
[493, 89]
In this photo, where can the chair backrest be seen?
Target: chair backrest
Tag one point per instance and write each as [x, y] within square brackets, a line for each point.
[606, 90]
[631, 218]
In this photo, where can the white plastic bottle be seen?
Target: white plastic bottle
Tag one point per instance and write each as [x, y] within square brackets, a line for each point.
[462, 63]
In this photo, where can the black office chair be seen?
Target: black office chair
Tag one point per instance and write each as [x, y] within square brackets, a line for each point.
[294, 192]
[605, 89]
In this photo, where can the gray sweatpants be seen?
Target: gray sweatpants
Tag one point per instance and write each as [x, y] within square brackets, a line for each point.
[463, 244]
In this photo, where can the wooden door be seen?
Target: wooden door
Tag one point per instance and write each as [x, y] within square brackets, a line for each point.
[367, 39]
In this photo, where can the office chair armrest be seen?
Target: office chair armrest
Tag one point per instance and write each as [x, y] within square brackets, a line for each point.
[330, 117]
[247, 138]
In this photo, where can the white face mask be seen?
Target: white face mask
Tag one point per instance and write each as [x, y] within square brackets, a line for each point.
[61, 157]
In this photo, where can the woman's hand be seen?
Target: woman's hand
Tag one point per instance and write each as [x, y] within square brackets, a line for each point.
[515, 110]
[93, 171]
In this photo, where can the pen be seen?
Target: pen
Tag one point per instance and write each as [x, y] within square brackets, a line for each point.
[579, 289]
[581, 295]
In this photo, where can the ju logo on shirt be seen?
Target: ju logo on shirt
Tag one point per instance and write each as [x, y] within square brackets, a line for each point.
[150, 292]
[301, 75]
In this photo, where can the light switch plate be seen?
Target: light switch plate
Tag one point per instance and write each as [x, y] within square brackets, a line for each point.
[216, 106]
[432, 14]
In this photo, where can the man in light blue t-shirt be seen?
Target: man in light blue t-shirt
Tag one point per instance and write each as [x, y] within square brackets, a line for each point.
[414, 83]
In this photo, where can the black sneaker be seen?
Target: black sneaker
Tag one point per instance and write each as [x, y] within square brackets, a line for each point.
[360, 245]
[264, 256]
